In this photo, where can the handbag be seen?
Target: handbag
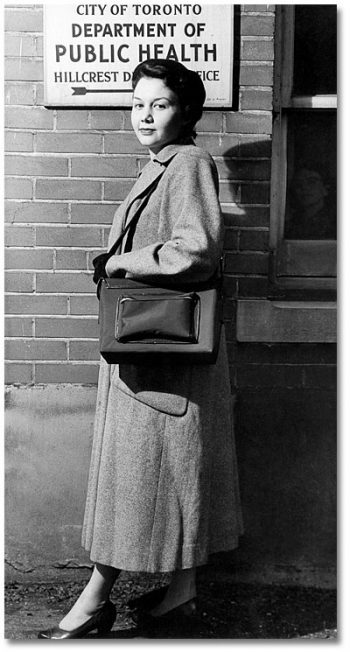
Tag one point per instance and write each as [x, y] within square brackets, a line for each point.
[148, 324]
[145, 323]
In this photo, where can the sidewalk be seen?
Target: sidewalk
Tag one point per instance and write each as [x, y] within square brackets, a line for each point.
[227, 610]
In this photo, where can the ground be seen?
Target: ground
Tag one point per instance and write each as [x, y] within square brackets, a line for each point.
[226, 610]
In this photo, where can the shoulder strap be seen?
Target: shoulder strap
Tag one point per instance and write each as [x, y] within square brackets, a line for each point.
[135, 217]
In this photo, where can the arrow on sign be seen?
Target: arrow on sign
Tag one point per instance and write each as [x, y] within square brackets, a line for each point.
[81, 90]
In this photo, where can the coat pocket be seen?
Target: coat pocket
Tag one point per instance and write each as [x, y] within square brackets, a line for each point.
[163, 387]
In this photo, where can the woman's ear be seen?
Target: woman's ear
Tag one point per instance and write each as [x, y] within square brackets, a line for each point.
[186, 114]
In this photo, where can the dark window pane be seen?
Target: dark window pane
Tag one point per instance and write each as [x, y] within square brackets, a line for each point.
[311, 176]
[315, 50]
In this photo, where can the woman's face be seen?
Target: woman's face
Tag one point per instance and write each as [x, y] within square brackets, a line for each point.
[309, 188]
[156, 114]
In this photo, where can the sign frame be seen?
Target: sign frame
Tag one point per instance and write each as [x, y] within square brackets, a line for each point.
[54, 100]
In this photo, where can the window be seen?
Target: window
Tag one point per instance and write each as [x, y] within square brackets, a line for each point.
[303, 184]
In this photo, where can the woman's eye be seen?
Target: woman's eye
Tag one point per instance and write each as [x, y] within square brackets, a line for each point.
[160, 106]
[137, 106]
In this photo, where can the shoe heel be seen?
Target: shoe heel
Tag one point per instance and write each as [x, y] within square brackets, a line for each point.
[106, 621]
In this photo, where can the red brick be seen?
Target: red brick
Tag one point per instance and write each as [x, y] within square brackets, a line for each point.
[229, 192]
[35, 305]
[29, 259]
[81, 374]
[17, 69]
[256, 99]
[19, 282]
[246, 263]
[231, 239]
[255, 50]
[106, 237]
[66, 327]
[39, 94]
[16, 236]
[65, 283]
[93, 253]
[104, 166]
[84, 351]
[230, 286]
[16, 188]
[18, 374]
[67, 189]
[254, 240]
[247, 216]
[123, 143]
[210, 121]
[35, 212]
[287, 353]
[84, 305]
[70, 259]
[256, 75]
[93, 213]
[19, 93]
[22, 45]
[249, 123]
[72, 119]
[269, 376]
[218, 146]
[29, 117]
[251, 26]
[253, 287]
[68, 236]
[255, 193]
[118, 189]
[107, 119]
[32, 165]
[238, 169]
[65, 142]
[18, 141]
[35, 350]
[258, 9]
[229, 309]
[255, 146]
[19, 327]
[27, 19]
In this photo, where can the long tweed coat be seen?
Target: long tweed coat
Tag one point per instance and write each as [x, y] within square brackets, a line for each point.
[163, 487]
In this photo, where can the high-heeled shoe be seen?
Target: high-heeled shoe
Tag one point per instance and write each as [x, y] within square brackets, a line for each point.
[149, 600]
[102, 620]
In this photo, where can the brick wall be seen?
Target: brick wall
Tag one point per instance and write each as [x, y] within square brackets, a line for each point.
[67, 170]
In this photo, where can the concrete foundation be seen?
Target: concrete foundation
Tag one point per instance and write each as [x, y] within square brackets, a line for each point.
[286, 443]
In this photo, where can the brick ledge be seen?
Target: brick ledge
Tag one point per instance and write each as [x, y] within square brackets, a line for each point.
[260, 320]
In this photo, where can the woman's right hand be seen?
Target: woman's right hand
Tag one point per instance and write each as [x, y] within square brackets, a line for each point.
[112, 266]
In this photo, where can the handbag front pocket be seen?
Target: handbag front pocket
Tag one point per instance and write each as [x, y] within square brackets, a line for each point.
[167, 317]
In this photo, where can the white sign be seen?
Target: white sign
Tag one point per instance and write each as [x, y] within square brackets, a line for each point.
[90, 50]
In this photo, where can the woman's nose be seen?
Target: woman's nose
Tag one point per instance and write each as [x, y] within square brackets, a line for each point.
[147, 117]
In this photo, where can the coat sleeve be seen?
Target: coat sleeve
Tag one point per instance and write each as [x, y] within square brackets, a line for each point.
[195, 245]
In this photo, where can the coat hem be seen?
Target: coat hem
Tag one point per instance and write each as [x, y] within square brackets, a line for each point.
[190, 560]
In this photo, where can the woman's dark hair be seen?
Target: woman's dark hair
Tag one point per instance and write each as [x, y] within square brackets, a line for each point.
[187, 85]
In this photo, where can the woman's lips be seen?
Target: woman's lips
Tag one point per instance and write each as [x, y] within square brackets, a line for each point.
[146, 131]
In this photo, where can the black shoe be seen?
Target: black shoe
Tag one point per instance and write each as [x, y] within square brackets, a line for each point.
[102, 620]
[186, 611]
[149, 600]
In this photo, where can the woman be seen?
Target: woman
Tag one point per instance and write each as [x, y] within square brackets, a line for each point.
[311, 212]
[162, 491]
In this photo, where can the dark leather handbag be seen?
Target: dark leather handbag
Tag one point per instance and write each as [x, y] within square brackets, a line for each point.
[141, 323]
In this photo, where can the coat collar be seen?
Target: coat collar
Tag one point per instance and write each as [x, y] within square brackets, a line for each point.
[169, 151]
[154, 169]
